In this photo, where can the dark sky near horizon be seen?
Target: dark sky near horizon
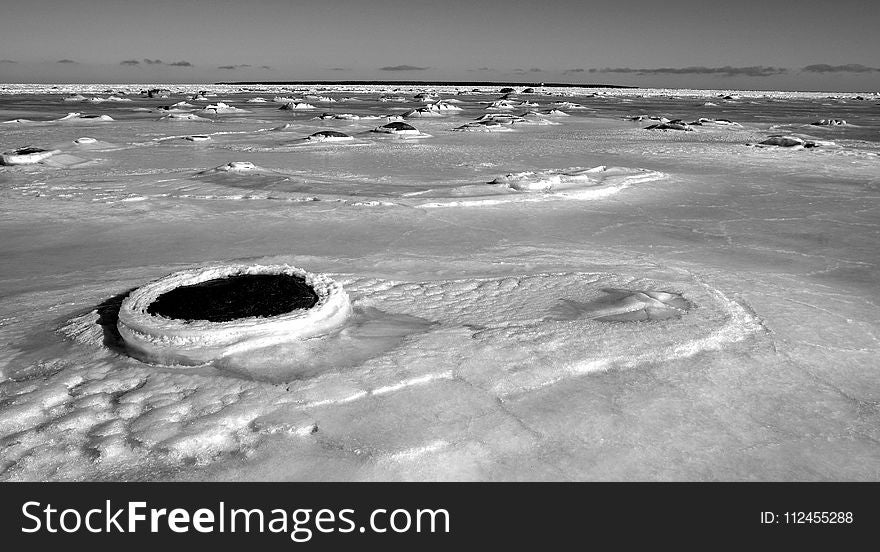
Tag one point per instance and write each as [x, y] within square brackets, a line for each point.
[674, 43]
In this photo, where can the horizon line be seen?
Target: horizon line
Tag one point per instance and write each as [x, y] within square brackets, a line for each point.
[425, 82]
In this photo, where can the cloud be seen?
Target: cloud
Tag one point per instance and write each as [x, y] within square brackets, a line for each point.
[535, 70]
[180, 64]
[233, 67]
[480, 69]
[153, 61]
[65, 61]
[8, 61]
[339, 69]
[131, 62]
[267, 67]
[848, 68]
[726, 71]
[402, 68]
[569, 71]
[518, 71]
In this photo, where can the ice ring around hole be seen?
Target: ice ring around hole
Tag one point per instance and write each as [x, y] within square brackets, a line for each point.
[251, 292]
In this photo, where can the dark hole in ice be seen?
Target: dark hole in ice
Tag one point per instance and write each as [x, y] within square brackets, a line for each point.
[27, 150]
[242, 296]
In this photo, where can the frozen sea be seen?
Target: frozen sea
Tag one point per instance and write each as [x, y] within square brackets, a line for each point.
[489, 337]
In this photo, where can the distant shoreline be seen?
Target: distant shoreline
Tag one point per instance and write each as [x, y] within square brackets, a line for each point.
[424, 83]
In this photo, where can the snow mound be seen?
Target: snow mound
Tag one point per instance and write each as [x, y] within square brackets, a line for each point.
[330, 136]
[221, 107]
[296, 105]
[788, 141]
[398, 128]
[236, 166]
[76, 116]
[183, 117]
[156, 339]
[422, 112]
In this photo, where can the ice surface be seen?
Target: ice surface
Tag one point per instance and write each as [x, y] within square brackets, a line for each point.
[580, 300]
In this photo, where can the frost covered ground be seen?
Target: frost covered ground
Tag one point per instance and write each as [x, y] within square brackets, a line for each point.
[499, 282]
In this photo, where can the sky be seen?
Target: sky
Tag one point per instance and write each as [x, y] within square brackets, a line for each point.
[805, 45]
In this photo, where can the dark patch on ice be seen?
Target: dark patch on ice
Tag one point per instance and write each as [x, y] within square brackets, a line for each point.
[623, 305]
[671, 125]
[243, 296]
[108, 319]
[398, 126]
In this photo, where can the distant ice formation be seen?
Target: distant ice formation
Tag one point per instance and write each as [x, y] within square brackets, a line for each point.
[444, 105]
[398, 128]
[421, 112]
[221, 107]
[785, 141]
[80, 117]
[702, 121]
[157, 339]
[551, 180]
[569, 105]
[330, 136]
[183, 117]
[236, 166]
[296, 105]
[500, 122]
[502, 105]
[670, 125]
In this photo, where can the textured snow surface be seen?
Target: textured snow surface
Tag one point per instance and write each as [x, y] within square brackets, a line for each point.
[584, 300]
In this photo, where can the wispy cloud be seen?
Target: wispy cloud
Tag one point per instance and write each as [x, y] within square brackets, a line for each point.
[403, 68]
[131, 62]
[234, 67]
[180, 64]
[570, 71]
[480, 70]
[848, 68]
[152, 61]
[536, 70]
[65, 61]
[726, 71]
[8, 61]
[339, 69]
[267, 67]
